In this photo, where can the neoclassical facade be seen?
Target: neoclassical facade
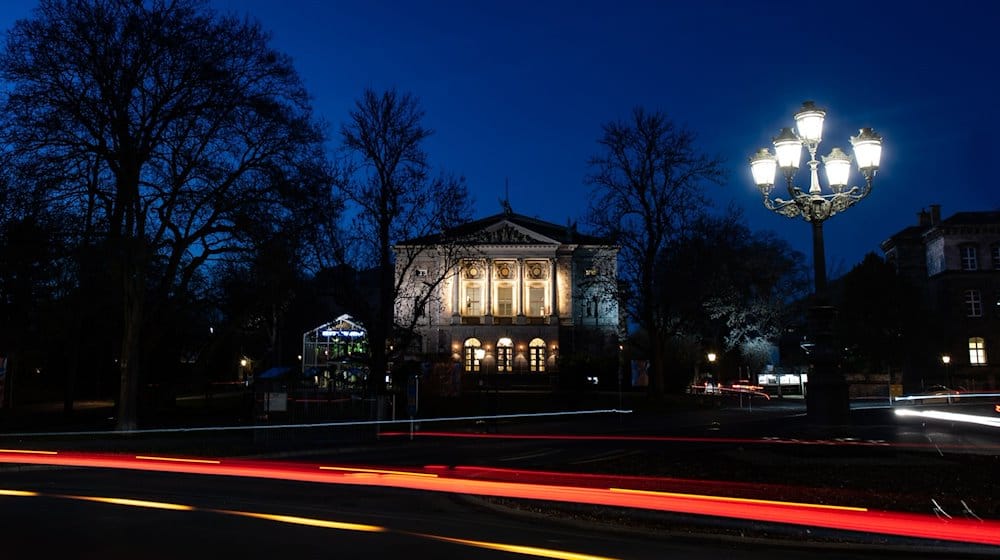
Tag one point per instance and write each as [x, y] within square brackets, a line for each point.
[514, 295]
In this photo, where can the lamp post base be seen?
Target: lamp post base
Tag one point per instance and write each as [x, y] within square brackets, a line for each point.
[827, 397]
[828, 402]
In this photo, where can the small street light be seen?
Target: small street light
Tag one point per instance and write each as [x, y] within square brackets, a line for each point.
[946, 360]
[827, 398]
[711, 357]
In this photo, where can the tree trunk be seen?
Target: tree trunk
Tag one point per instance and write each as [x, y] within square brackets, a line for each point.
[657, 379]
[133, 291]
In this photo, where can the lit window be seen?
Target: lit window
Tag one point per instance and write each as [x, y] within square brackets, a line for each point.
[536, 355]
[505, 300]
[505, 354]
[473, 300]
[536, 301]
[590, 272]
[969, 260]
[977, 351]
[473, 354]
[973, 303]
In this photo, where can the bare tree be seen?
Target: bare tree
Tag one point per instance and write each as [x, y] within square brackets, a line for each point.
[396, 198]
[172, 129]
[648, 184]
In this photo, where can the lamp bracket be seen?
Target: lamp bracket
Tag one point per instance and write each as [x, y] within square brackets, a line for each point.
[816, 207]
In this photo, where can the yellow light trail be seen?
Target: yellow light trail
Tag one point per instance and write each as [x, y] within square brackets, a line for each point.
[308, 521]
[376, 471]
[177, 459]
[520, 549]
[131, 502]
[29, 451]
[735, 500]
[18, 493]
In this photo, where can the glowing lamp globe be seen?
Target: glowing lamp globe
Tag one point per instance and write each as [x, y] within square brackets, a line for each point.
[788, 147]
[867, 149]
[809, 121]
[838, 168]
[763, 166]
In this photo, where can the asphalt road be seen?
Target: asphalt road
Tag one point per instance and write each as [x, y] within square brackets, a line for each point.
[771, 452]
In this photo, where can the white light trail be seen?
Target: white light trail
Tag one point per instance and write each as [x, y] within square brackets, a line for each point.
[951, 417]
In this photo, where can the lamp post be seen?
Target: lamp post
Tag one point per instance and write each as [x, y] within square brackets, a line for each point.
[827, 399]
[711, 370]
[621, 372]
[946, 360]
[244, 368]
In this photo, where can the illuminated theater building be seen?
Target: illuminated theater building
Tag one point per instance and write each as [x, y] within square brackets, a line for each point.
[518, 294]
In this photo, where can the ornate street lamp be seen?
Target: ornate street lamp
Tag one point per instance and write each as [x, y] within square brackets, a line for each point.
[815, 206]
[827, 395]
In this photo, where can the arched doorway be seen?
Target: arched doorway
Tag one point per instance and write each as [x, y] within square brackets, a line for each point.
[536, 355]
[505, 355]
[473, 354]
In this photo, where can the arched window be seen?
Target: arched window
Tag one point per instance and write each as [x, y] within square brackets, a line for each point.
[977, 351]
[505, 354]
[473, 354]
[536, 355]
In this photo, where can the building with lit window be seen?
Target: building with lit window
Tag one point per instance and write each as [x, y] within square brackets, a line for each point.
[511, 297]
[955, 262]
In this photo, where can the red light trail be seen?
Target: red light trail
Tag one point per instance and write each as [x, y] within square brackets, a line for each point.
[451, 481]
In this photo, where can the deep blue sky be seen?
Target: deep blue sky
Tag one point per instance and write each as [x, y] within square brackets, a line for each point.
[517, 91]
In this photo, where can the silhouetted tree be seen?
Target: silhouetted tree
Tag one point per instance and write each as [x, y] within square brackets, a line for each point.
[649, 183]
[881, 318]
[170, 129]
[737, 285]
[396, 198]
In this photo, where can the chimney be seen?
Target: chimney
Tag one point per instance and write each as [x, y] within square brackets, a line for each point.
[923, 218]
[935, 214]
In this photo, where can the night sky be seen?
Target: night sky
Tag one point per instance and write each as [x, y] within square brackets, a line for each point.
[517, 91]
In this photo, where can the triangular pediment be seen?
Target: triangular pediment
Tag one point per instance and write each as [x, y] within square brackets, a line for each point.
[506, 232]
[509, 228]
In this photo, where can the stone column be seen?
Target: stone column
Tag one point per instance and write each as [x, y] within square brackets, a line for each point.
[455, 291]
[488, 298]
[553, 291]
[521, 292]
